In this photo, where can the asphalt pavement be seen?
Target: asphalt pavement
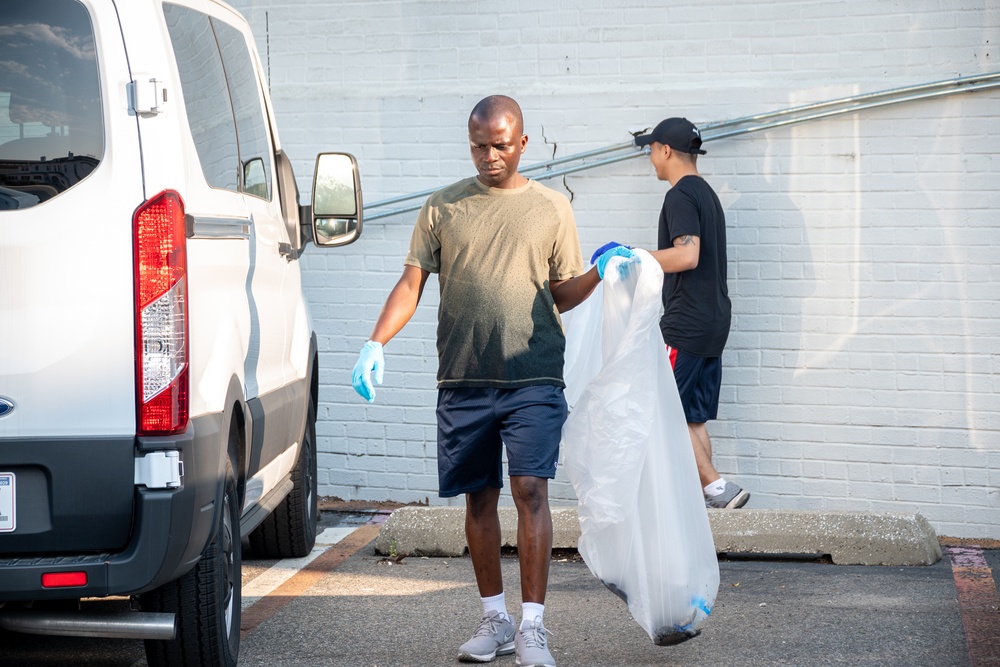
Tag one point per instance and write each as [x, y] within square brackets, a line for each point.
[374, 611]
[352, 607]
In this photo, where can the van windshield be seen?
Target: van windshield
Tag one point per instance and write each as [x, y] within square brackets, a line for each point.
[51, 126]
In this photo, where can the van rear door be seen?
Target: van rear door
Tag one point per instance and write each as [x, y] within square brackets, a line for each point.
[67, 348]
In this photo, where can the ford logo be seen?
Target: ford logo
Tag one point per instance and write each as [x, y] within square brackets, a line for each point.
[6, 406]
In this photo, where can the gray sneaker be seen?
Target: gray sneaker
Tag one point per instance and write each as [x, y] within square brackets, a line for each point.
[532, 646]
[493, 637]
[732, 497]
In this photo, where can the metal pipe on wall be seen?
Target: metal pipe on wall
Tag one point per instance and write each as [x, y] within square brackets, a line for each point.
[720, 129]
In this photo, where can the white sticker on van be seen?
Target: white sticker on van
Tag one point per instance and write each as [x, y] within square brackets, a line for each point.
[8, 514]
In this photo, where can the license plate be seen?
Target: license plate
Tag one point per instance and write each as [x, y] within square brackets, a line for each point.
[8, 514]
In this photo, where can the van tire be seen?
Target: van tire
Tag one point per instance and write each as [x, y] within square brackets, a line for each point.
[290, 530]
[206, 600]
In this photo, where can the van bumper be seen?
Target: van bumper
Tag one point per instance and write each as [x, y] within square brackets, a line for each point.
[170, 529]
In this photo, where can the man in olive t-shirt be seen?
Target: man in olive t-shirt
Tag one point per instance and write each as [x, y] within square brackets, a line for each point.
[508, 258]
[495, 251]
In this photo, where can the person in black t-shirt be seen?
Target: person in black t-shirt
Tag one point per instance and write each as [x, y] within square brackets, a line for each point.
[697, 310]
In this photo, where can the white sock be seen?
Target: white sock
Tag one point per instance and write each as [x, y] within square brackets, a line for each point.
[495, 603]
[716, 487]
[531, 611]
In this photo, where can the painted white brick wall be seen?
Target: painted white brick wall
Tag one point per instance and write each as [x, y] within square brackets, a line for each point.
[862, 371]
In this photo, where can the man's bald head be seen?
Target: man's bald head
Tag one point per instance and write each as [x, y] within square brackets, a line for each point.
[497, 140]
[496, 107]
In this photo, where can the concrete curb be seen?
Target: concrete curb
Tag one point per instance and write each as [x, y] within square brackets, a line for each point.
[440, 531]
[849, 538]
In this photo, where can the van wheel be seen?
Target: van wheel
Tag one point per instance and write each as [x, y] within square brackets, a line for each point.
[206, 600]
[290, 530]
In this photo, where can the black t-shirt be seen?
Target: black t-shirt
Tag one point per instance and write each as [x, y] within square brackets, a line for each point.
[697, 310]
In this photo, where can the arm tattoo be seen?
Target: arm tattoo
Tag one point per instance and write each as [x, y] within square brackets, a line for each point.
[687, 239]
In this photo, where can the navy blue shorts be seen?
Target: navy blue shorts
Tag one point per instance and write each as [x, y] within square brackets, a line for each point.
[699, 380]
[474, 423]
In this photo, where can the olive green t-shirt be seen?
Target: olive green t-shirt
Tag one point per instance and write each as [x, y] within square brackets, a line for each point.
[495, 251]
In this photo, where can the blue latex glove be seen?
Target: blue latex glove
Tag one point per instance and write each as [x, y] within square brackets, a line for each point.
[604, 248]
[370, 361]
[617, 251]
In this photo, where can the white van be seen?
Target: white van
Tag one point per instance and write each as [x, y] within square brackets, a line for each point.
[158, 367]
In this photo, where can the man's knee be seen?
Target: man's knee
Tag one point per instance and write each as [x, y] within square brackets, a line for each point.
[482, 504]
[531, 494]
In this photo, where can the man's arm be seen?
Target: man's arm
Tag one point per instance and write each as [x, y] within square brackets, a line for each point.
[569, 294]
[396, 312]
[682, 256]
[400, 305]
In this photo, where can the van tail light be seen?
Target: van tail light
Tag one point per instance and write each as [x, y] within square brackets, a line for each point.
[161, 315]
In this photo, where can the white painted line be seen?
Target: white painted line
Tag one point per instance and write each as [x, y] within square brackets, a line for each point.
[285, 569]
[334, 534]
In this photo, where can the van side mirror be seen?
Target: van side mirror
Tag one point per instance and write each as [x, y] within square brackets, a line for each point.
[336, 215]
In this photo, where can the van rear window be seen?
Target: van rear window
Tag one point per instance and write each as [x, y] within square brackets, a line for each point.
[51, 125]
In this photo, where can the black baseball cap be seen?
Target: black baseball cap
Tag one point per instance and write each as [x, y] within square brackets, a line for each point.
[678, 133]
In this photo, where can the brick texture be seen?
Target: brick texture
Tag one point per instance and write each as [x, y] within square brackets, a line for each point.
[862, 371]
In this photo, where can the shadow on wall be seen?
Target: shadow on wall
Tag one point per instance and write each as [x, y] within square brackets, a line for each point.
[771, 274]
[851, 375]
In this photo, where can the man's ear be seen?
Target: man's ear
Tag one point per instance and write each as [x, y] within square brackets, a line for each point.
[524, 142]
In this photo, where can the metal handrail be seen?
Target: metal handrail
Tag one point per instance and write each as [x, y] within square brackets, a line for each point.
[719, 129]
[892, 92]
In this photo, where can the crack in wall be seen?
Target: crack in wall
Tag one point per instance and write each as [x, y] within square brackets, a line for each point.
[555, 147]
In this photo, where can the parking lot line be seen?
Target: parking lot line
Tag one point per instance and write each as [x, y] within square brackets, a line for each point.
[298, 582]
[285, 569]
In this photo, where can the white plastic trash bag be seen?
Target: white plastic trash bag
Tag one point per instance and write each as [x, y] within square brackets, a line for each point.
[644, 527]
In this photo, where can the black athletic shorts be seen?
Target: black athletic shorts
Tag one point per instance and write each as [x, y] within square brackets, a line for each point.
[699, 381]
[474, 424]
